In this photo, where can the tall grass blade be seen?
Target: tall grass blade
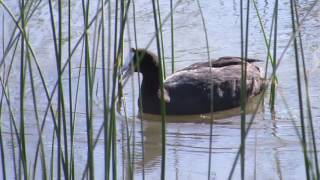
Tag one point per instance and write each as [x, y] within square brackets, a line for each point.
[107, 121]
[306, 83]
[172, 37]
[132, 134]
[71, 119]
[23, 155]
[52, 156]
[139, 90]
[3, 164]
[58, 62]
[22, 32]
[88, 90]
[301, 109]
[161, 39]
[112, 132]
[292, 36]
[162, 104]
[4, 96]
[243, 91]
[269, 56]
[42, 151]
[211, 88]
[13, 131]
[62, 110]
[106, 87]
[273, 83]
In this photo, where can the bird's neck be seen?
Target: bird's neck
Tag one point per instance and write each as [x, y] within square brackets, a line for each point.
[150, 84]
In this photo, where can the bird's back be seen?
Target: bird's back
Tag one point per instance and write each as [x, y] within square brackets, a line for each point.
[191, 90]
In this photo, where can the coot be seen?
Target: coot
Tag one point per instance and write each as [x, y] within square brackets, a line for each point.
[188, 91]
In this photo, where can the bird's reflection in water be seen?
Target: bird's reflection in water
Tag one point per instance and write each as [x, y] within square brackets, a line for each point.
[153, 131]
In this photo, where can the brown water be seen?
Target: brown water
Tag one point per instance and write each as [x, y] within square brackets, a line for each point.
[273, 150]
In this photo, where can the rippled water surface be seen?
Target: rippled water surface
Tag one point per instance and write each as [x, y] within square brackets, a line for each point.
[273, 149]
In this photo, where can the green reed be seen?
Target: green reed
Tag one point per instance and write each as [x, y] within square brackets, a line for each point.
[296, 31]
[160, 33]
[301, 112]
[172, 36]
[88, 89]
[211, 89]
[131, 156]
[13, 42]
[244, 38]
[124, 21]
[42, 151]
[306, 84]
[5, 96]
[139, 85]
[3, 164]
[313, 138]
[41, 76]
[106, 88]
[106, 116]
[23, 156]
[71, 119]
[61, 119]
[273, 61]
[272, 58]
[267, 42]
[161, 79]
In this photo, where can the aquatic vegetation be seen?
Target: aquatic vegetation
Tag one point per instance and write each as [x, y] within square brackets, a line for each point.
[66, 112]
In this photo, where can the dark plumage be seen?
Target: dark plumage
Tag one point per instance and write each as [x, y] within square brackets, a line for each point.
[188, 91]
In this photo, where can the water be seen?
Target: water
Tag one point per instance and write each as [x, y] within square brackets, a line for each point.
[273, 150]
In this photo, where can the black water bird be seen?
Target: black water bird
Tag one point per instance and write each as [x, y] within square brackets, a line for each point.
[193, 89]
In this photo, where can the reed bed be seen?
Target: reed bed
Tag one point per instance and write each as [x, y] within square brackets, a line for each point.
[49, 111]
